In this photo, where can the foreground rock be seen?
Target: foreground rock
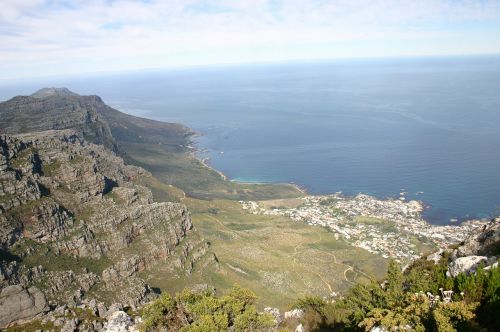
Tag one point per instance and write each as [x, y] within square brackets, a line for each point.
[467, 265]
[18, 304]
[119, 321]
[480, 248]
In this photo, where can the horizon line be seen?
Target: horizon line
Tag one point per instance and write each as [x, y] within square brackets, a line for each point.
[246, 63]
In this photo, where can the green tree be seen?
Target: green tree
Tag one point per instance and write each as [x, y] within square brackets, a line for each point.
[155, 314]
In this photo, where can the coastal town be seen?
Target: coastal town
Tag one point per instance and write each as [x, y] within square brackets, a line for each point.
[391, 228]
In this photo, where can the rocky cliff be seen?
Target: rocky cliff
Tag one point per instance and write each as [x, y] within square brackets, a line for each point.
[481, 248]
[76, 224]
[59, 108]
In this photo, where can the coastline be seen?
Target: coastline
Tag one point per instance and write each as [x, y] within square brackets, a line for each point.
[194, 150]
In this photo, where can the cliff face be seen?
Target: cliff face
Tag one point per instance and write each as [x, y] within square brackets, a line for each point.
[75, 224]
[59, 108]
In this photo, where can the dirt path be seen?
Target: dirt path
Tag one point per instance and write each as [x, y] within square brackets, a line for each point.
[350, 268]
[324, 281]
[295, 252]
[233, 233]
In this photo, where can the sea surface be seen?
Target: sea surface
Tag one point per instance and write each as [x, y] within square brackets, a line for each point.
[428, 127]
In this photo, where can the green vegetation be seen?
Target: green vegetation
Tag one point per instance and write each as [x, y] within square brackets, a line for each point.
[51, 169]
[402, 301]
[206, 312]
[43, 254]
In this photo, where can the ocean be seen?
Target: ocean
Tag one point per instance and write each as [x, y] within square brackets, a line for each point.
[428, 127]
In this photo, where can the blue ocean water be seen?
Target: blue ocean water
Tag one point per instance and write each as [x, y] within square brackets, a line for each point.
[426, 126]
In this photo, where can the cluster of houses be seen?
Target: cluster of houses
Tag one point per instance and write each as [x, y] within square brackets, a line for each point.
[392, 228]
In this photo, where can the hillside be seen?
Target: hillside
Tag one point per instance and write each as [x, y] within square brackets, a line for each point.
[77, 224]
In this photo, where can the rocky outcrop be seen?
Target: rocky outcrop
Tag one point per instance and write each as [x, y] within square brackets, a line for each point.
[119, 321]
[294, 313]
[467, 265]
[484, 243]
[57, 109]
[480, 248]
[69, 204]
[71, 200]
[18, 303]
[46, 222]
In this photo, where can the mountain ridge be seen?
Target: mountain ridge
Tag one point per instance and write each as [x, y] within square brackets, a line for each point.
[60, 108]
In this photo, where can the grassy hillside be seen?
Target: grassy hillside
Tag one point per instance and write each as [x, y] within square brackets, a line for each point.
[277, 258]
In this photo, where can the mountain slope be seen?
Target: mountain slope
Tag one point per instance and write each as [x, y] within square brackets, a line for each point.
[77, 225]
[59, 108]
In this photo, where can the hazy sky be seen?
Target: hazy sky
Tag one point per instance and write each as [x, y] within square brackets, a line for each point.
[42, 37]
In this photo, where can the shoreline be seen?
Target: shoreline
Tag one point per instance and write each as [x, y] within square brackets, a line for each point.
[193, 149]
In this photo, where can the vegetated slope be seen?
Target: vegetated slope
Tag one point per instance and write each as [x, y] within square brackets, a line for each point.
[455, 289]
[77, 225]
[128, 129]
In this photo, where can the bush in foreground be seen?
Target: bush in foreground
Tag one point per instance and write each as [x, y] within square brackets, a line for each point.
[205, 312]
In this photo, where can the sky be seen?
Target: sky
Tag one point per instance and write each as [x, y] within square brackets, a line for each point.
[59, 37]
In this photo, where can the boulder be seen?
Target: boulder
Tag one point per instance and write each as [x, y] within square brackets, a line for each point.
[295, 313]
[467, 265]
[70, 325]
[119, 321]
[275, 312]
[18, 303]
[300, 328]
[378, 329]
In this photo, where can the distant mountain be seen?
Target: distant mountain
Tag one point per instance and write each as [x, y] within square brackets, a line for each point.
[60, 108]
[47, 92]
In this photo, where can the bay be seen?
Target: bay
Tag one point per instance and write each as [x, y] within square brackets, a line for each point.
[426, 126]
